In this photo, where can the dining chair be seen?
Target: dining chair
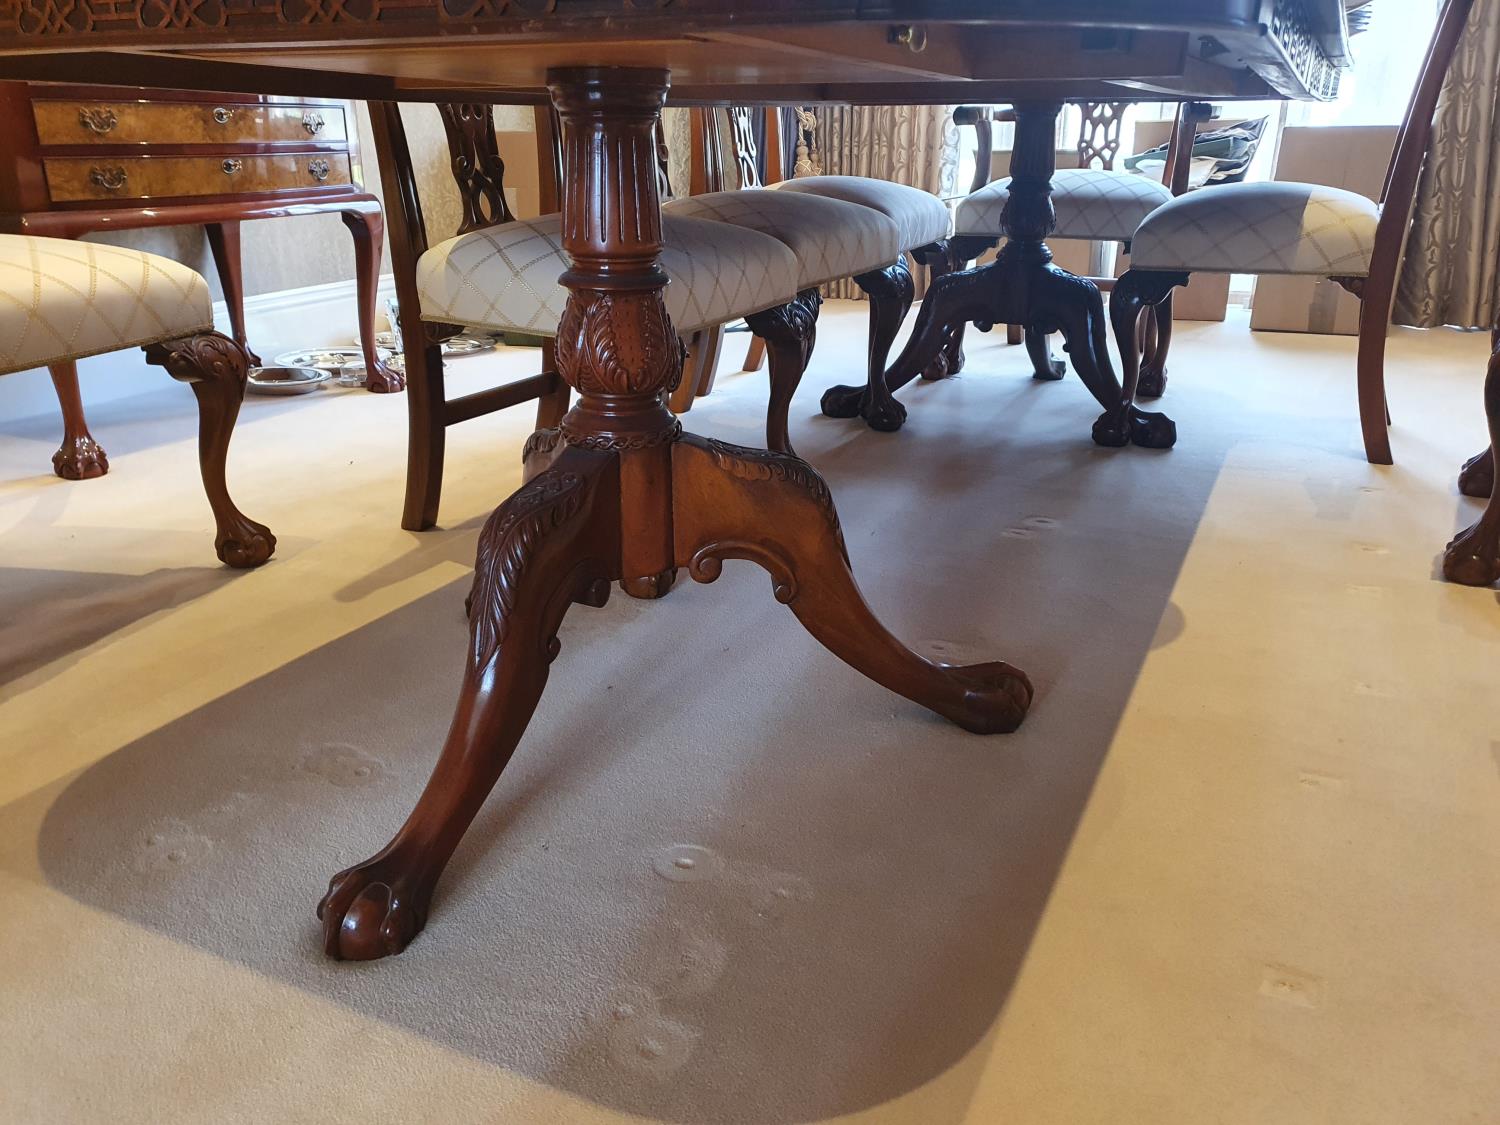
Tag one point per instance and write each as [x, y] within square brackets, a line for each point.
[62, 300]
[500, 273]
[921, 221]
[1094, 203]
[1283, 228]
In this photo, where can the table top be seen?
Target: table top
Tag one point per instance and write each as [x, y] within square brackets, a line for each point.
[768, 51]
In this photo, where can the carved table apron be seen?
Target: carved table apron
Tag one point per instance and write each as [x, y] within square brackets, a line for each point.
[629, 496]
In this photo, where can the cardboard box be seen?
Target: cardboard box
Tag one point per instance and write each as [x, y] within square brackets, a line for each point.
[522, 176]
[1350, 157]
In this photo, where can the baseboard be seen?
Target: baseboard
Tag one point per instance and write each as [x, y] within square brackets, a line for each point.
[311, 316]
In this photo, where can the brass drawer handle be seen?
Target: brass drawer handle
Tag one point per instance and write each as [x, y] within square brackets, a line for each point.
[232, 165]
[110, 179]
[318, 169]
[313, 123]
[223, 114]
[97, 119]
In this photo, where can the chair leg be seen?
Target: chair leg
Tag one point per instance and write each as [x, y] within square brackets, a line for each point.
[1043, 366]
[790, 331]
[1158, 321]
[79, 457]
[1374, 323]
[551, 406]
[1014, 334]
[216, 367]
[426, 404]
[755, 355]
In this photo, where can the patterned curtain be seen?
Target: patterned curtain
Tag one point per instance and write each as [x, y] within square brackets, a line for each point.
[915, 145]
[1452, 269]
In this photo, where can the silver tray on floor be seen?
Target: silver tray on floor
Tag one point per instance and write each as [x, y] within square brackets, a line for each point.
[282, 380]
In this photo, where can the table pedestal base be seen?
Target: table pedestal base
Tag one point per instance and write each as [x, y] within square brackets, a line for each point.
[557, 541]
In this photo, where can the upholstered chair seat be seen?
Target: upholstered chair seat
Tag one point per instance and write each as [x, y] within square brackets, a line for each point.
[1265, 228]
[1091, 204]
[62, 300]
[506, 276]
[921, 218]
[831, 238]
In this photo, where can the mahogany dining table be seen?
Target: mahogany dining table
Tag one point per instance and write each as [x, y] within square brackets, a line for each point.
[633, 498]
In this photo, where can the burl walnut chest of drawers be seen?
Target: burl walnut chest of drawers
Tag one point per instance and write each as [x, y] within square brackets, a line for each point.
[93, 158]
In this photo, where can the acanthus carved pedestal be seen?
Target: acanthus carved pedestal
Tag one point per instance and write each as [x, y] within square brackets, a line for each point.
[627, 497]
[1021, 287]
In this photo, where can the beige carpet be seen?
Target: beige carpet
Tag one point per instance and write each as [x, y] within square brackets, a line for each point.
[1240, 865]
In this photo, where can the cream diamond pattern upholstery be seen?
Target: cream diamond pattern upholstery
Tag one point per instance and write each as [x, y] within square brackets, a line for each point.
[832, 239]
[921, 217]
[1274, 228]
[1091, 204]
[505, 277]
[62, 300]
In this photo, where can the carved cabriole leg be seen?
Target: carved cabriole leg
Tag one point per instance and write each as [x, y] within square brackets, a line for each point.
[790, 331]
[1043, 366]
[1157, 325]
[729, 498]
[553, 543]
[367, 228]
[1135, 291]
[216, 367]
[941, 259]
[79, 457]
[890, 292]
[1473, 558]
[224, 244]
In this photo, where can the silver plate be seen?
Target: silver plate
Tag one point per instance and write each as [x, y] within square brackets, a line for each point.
[284, 380]
[335, 360]
[468, 345]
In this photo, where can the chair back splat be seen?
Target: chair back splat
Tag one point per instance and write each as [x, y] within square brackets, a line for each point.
[474, 156]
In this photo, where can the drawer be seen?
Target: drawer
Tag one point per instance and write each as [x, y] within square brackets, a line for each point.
[185, 123]
[72, 179]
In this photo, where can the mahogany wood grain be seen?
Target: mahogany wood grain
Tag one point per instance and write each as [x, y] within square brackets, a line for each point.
[626, 496]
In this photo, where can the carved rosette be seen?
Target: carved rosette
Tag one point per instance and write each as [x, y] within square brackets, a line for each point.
[509, 541]
[618, 344]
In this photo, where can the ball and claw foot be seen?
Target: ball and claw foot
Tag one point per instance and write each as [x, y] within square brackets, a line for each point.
[995, 701]
[244, 544]
[1138, 427]
[1477, 477]
[1151, 384]
[852, 402]
[1473, 558]
[382, 379]
[80, 459]
[1055, 370]
[373, 909]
